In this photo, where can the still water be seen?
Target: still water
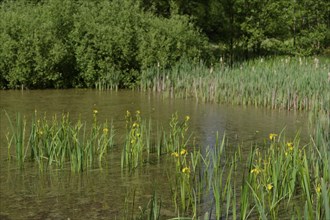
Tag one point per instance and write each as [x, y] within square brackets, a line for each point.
[107, 193]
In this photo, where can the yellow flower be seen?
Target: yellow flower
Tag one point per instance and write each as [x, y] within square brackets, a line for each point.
[138, 112]
[272, 136]
[318, 189]
[256, 170]
[135, 125]
[183, 152]
[290, 146]
[269, 186]
[95, 111]
[187, 118]
[175, 154]
[105, 130]
[186, 170]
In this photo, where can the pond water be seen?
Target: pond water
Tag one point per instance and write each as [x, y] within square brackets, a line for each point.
[107, 193]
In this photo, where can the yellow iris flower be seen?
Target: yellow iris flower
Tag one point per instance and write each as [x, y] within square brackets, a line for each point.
[175, 154]
[318, 188]
[183, 152]
[256, 170]
[269, 186]
[186, 170]
[272, 136]
[290, 146]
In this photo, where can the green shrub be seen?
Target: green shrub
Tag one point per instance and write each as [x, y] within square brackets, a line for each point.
[35, 49]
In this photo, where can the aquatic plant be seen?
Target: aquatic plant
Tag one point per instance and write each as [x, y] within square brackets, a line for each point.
[176, 139]
[281, 175]
[58, 141]
[141, 141]
[277, 83]
[132, 153]
[278, 179]
[17, 139]
[181, 184]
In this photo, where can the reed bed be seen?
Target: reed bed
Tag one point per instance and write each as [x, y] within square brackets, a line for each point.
[279, 83]
[278, 178]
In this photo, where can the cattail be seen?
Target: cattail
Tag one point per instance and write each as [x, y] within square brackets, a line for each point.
[316, 62]
[211, 69]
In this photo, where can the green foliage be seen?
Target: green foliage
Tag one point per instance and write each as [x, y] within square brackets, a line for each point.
[254, 26]
[106, 44]
[88, 43]
[117, 36]
[105, 40]
[35, 51]
[166, 41]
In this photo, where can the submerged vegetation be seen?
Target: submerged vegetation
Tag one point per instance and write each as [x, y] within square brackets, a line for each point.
[280, 176]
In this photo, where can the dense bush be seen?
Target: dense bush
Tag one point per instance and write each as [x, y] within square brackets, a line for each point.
[35, 51]
[81, 43]
[108, 43]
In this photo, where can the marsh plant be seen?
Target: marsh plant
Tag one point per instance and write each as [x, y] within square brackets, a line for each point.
[177, 138]
[132, 152]
[279, 176]
[58, 141]
[181, 183]
[285, 170]
[277, 83]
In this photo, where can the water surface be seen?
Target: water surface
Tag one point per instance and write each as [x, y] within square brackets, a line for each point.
[104, 194]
